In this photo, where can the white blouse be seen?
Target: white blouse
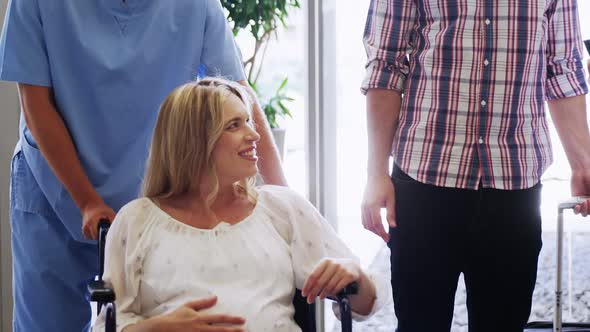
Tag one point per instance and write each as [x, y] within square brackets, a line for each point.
[156, 263]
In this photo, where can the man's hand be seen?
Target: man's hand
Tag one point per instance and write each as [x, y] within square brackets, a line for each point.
[571, 122]
[91, 214]
[581, 187]
[383, 108]
[379, 193]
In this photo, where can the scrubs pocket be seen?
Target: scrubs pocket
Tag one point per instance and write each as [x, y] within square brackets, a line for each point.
[25, 193]
[56, 195]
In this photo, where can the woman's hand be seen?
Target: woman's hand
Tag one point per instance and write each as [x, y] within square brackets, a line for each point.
[189, 318]
[330, 277]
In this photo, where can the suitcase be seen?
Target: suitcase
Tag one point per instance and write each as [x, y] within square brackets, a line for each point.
[557, 325]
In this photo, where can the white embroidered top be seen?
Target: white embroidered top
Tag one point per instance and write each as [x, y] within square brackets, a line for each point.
[156, 263]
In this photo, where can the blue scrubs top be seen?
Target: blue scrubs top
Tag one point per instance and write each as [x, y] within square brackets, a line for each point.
[110, 64]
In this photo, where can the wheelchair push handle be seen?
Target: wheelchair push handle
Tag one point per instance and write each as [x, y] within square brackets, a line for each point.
[103, 223]
[99, 291]
[103, 229]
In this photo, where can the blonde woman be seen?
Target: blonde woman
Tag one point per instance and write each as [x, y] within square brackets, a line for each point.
[206, 251]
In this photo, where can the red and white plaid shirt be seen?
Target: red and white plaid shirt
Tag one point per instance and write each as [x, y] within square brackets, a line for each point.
[474, 75]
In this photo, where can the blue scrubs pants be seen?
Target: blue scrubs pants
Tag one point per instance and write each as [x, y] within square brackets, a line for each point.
[50, 268]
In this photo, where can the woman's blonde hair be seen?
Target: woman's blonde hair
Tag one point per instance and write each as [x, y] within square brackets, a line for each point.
[189, 124]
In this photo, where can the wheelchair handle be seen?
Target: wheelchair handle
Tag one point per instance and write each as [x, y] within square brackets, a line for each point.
[103, 229]
[572, 202]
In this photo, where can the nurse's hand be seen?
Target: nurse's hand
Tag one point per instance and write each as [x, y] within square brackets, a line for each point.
[190, 318]
[91, 215]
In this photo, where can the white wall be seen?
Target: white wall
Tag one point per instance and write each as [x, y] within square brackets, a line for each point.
[8, 136]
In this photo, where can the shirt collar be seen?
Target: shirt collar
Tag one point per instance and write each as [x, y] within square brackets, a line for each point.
[127, 7]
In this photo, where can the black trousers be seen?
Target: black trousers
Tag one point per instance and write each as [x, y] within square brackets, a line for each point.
[491, 236]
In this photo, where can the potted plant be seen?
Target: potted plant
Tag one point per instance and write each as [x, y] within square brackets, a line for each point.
[262, 18]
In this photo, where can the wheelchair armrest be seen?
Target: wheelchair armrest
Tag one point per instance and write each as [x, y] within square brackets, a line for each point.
[344, 303]
[101, 292]
[350, 289]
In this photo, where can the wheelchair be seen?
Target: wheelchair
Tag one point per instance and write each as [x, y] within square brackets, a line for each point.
[102, 293]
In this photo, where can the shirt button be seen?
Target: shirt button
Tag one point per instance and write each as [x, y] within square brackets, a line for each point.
[488, 21]
[486, 62]
[483, 103]
[480, 140]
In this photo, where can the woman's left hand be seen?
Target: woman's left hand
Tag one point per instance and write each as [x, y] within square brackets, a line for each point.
[329, 277]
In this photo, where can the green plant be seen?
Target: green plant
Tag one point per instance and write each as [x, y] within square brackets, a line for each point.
[262, 18]
[275, 103]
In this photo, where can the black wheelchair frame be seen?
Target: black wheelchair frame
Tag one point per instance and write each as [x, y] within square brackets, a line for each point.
[103, 294]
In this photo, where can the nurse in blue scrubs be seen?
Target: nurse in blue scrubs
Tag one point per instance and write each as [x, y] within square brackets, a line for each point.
[91, 75]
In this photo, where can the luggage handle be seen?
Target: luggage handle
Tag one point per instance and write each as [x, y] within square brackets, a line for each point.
[565, 205]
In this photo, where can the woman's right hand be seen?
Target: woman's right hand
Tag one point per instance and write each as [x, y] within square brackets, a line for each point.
[189, 318]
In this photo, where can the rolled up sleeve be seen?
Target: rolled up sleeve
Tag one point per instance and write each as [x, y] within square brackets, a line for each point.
[565, 68]
[388, 40]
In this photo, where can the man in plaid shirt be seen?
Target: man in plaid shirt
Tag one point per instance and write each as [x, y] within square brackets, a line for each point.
[456, 92]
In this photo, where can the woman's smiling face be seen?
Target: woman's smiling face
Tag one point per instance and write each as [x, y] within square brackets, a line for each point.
[234, 154]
